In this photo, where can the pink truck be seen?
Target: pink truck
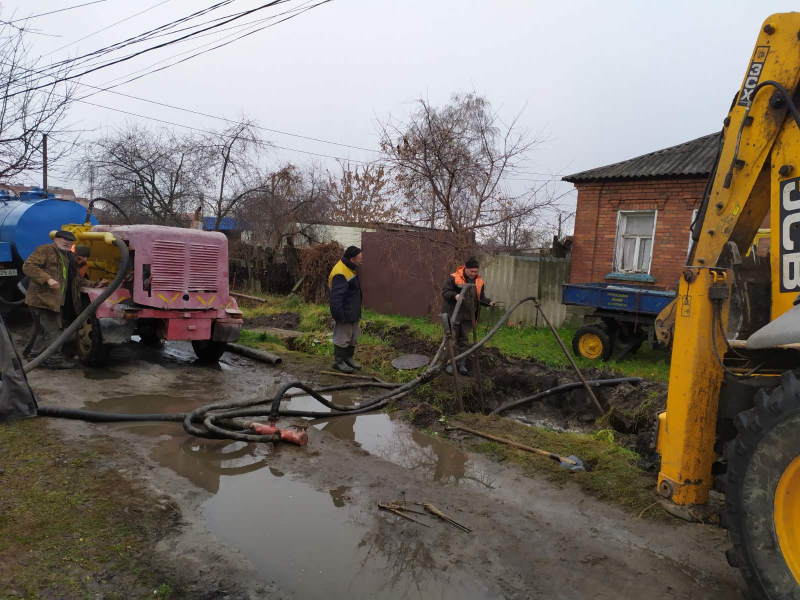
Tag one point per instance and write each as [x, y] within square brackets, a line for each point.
[176, 288]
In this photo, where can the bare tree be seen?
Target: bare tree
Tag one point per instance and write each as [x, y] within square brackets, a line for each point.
[288, 204]
[360, 195]
[29, 107]
[453, 164]
[155, 175]
[231, 165]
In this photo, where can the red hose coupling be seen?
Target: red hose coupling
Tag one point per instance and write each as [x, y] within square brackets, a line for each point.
[298, 438]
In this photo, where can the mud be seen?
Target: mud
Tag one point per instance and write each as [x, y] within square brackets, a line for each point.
[286, 320]
[302, 522]
[402, 338]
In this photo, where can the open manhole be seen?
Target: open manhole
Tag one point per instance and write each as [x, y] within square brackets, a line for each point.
[410, 361]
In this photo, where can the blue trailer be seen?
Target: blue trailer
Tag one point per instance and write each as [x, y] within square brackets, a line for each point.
[622, 316]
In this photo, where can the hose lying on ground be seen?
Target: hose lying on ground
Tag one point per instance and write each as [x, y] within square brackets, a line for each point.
[562, 388]
[214, 421]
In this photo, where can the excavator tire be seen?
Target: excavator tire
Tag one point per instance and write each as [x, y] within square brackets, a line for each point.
[762, 501]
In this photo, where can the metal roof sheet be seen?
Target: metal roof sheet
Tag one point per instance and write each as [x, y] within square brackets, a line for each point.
[693, 158]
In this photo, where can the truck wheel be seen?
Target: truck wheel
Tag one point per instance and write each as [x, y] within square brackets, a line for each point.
[592, 341]
[91, 349]
[763, 493]
[208, 351]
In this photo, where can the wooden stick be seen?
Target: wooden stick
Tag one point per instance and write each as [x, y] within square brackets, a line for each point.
[435, 511]
[396, 510]
[246, 297]
[353, 375]
[550, 455]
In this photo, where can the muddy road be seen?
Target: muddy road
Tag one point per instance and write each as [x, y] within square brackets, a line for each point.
[293, 522]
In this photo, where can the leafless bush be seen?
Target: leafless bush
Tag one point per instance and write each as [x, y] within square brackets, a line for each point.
[316, 263]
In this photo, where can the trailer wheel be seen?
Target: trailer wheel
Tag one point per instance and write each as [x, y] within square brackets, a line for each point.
[91, 349]
[592, 341]
[763, 493]
[208, 351]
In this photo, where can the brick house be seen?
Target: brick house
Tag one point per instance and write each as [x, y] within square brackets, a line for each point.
[633, 218]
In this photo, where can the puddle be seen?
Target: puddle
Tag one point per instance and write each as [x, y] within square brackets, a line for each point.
[317, 548]
[328, 547]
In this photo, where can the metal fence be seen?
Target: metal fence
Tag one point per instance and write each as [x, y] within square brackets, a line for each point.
[510, 278]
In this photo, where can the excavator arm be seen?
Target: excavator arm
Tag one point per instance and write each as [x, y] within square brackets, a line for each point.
[757, 171]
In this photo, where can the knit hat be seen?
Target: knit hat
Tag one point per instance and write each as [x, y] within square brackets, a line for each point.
[81, 250]
[472, 263]
[352, 252]
[67, 235]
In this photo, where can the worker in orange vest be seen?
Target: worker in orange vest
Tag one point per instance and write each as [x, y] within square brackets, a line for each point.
[81, 258]
[461, 324]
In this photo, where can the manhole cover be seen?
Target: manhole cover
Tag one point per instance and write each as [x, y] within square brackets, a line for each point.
[410, 361]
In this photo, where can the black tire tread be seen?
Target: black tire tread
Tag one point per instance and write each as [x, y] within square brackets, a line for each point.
[753, 425]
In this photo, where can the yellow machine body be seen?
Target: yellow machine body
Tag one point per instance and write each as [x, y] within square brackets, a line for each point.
[761, 151]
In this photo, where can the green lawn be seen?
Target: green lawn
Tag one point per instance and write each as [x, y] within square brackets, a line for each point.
[515, 342]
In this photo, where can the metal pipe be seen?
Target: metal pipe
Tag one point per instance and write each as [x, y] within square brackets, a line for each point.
[589, 391]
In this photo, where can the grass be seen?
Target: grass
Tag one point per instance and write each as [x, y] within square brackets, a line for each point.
[67, 527]
[515, 342]
[614, 475]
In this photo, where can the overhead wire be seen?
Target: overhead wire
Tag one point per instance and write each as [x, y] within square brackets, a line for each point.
[157, 47]
[86, 37]
[52, 12]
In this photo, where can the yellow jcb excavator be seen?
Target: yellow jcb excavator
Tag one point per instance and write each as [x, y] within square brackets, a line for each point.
[733, 411]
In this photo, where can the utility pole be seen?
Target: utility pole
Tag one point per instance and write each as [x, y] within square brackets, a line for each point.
[433, 211]
[559, 225]
[44, 163]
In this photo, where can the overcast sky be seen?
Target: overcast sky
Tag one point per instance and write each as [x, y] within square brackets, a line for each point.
[606, 81]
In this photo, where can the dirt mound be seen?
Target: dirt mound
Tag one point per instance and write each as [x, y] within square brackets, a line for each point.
[424, 416]
[286, 320]
[402, 338]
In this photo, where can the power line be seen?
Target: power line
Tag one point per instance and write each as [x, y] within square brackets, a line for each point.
[52, 12]
[198, 129]
[107, 27]
[159, 46]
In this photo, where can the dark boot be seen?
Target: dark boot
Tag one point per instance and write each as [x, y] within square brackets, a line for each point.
[449, 368]
[351, 351]
[462, 368]
[340, 360]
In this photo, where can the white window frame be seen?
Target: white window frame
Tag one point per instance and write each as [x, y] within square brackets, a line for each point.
[619, 241]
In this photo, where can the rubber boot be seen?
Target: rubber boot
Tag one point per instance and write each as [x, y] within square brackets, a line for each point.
[351, 351]
[339, 360]
[449, 369]
[462, 368]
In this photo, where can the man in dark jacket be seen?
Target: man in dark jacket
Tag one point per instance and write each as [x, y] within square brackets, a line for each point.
[54, 284]
[461, 324]
[345, 295]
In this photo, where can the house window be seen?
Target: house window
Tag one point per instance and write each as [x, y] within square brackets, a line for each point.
[634, 246]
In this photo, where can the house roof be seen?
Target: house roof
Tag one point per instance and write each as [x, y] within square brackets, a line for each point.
[695, 158]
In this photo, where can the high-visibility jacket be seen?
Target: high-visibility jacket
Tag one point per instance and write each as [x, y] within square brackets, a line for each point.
[453, 286]
[345, 292]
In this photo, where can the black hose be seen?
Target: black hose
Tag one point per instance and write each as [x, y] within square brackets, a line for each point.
[107, 201]
[563, 388]
[87, 312]
[213, 421]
